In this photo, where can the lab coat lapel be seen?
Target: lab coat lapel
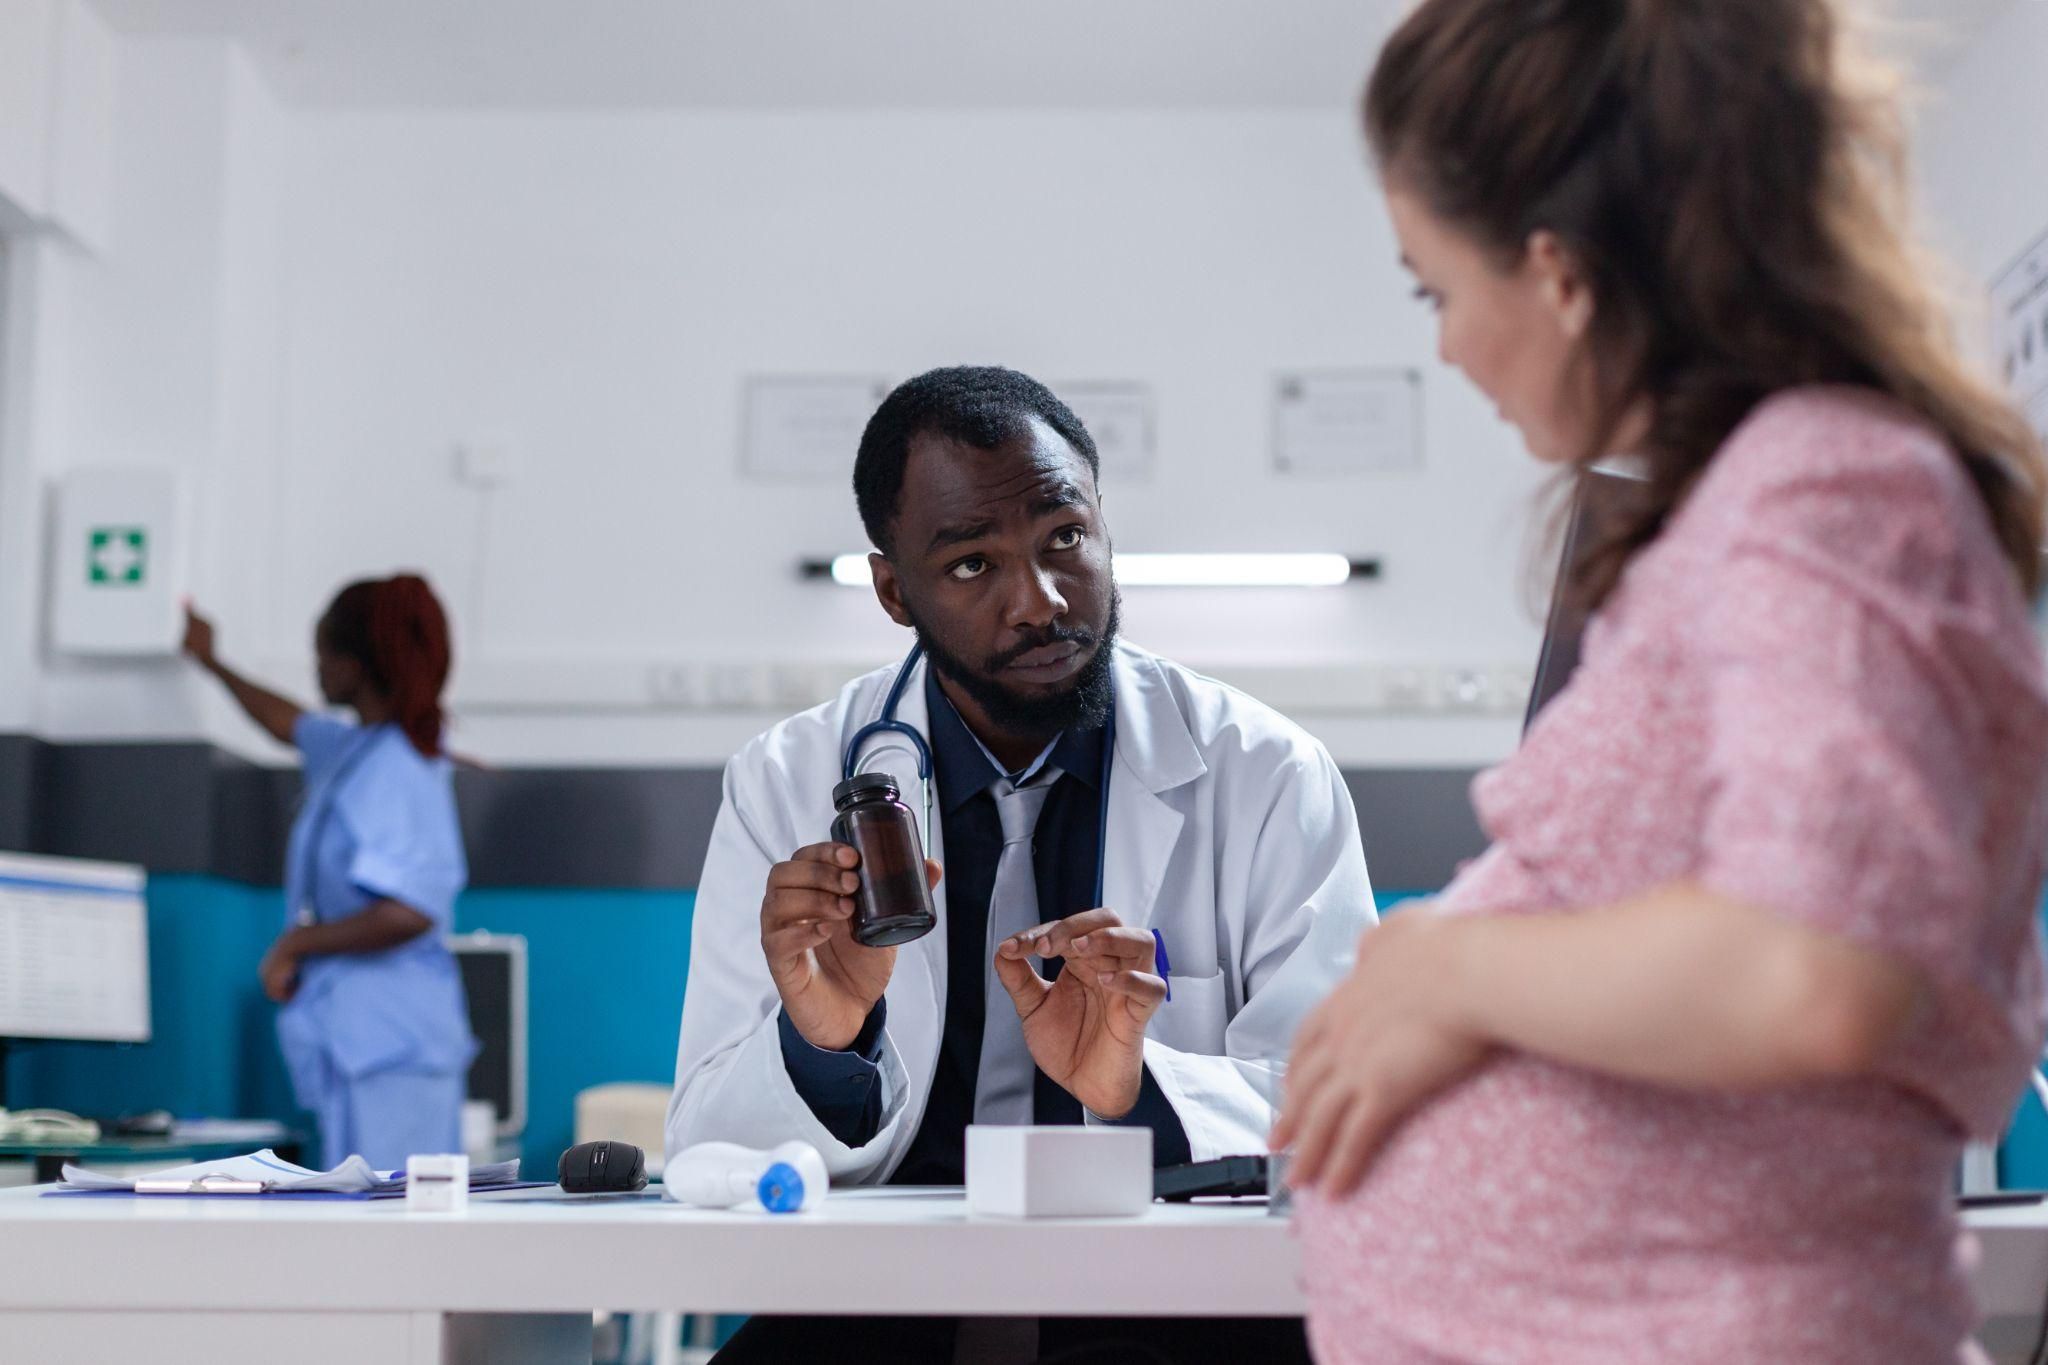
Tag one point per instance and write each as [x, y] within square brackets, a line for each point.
[1154, 754]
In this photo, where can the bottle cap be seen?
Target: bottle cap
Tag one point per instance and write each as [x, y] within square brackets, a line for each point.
[865, 784]
[781, 1189]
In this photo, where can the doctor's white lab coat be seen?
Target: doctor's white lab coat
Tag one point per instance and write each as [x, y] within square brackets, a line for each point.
[1230, 831]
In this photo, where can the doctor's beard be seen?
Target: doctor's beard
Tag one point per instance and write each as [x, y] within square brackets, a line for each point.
[1084, 705]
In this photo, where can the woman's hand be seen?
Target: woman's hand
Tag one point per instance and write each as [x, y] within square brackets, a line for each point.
[278, 715]
[279, 970]
[198, 641]
[1391, 1036]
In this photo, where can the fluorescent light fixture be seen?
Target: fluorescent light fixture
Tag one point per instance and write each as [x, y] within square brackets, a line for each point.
[1177, 570]
[1232, 571]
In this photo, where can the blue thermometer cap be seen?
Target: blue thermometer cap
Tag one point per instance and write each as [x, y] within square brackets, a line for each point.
[781, 1189]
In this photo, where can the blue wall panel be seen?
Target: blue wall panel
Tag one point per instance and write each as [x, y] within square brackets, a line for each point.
[605, 974]
[605, 997]
[212, 1050]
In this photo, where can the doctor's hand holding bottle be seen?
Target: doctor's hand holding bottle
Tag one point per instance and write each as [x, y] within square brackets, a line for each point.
[828, 982]
[1085, 1028]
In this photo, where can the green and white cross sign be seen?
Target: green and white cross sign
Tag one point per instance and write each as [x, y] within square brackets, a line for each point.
[116, 556]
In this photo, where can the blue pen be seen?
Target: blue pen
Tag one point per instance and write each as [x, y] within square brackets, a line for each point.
[1165, 964]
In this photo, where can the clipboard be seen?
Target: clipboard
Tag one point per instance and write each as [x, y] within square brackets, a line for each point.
[205, 1184]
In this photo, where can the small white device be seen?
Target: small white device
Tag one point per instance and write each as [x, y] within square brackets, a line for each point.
[790, 1178]
[437, 1183]
[1058, 1171]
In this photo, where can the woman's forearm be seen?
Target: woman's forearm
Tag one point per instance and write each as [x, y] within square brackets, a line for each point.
[379, 925]
[276, 714]
[1681, 987]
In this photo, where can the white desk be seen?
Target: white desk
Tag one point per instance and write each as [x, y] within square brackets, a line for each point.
[224, 1280]
[227, 1279]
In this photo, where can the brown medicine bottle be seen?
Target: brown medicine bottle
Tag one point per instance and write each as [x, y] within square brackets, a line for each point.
[894, 902]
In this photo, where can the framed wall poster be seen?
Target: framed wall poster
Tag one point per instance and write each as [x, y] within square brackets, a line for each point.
[805, 428]
[1343, 422]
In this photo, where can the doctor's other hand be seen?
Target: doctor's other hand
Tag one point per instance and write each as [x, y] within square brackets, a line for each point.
[198, 641]
[279, 971]
[1387, 1039]
[1086, 1027]
[827, 981]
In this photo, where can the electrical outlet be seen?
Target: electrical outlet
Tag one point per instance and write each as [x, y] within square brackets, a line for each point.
[675, 684]
[1465, 689]
[1406, 689]
[735, 687]
[484, 464]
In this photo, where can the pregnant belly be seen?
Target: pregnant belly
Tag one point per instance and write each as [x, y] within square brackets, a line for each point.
[1540, 1204]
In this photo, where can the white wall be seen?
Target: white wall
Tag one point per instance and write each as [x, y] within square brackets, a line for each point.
[140, 346]
[307, 310]
[20, 491]
[81, 163]
[304, 312]
[140, 349]
[591, 289]
[28, 31]
[1983, 144]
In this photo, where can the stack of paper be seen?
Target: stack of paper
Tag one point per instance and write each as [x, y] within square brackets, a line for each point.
[265, 1172]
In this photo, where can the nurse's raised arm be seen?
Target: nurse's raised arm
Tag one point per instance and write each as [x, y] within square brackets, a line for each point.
[277, 715]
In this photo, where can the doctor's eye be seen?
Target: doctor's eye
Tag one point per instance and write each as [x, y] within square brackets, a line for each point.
[1068, 538]
[968, 569]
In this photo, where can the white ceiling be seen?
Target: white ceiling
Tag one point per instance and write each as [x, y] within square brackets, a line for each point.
[828, 53]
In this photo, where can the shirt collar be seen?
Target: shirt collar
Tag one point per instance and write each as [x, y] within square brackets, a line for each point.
[966, 768]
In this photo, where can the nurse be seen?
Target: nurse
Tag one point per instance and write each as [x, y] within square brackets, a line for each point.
[373, 1024]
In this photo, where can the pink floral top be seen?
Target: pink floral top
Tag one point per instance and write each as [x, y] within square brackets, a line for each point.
[1819, 692]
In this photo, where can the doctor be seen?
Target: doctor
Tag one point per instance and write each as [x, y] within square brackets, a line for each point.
[372, 1021]
[1084, 794]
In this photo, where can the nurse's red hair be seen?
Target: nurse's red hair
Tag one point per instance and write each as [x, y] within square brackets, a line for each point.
[395, 628]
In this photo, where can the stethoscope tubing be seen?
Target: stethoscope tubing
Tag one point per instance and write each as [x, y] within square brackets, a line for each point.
[888, 724]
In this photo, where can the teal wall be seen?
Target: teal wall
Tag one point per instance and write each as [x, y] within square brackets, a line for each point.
[605, 997]
[605, 973]
[212, 1051]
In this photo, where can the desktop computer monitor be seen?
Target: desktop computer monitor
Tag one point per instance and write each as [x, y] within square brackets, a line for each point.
[494, 985]
[74, 950]
[1602, 491]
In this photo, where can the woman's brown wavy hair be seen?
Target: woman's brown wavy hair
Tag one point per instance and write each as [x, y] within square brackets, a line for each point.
[1729, 175]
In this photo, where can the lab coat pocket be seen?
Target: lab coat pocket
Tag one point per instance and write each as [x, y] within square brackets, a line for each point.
[1194, 1019]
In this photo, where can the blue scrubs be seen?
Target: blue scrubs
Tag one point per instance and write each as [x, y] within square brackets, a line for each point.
[377, 1044]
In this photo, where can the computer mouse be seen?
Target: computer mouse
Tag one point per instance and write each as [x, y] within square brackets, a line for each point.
[603, 1167]
[149, 1123]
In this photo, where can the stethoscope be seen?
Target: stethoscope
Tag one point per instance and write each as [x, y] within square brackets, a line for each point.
[888, 725]
[308, 911]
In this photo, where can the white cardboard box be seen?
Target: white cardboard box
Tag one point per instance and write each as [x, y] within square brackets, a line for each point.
[437, 1183]
[1064, 1171]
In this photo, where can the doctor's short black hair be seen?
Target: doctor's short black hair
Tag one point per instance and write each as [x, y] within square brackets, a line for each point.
[979, 405]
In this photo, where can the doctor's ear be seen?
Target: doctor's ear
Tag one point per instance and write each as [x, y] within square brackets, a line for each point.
[888, 591]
